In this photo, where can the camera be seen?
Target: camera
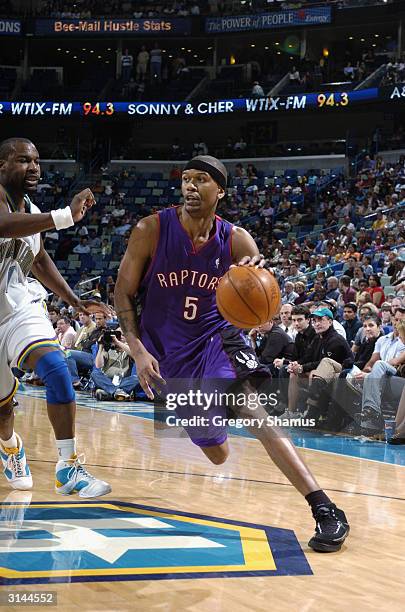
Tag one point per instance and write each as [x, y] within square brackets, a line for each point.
[106, 338]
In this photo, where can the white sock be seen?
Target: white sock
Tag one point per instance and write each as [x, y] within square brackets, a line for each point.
[66, 448]
[11, 442]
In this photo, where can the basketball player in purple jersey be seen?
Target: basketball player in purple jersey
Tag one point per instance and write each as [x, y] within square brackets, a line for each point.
[173, 264]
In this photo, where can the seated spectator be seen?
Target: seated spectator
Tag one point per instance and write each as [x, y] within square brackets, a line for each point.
[351, 322]
[66, 333]
[54, 315]
[294, 75]
[200, 148]
[294, 218]
[257, 90]
[83, 246]
[240, 145]
[271, 343]
[305, 333]
[326, 344]
[83, 359]
[347, 293]
[175, 173]
[286, 320]
[83, 284]
[380, 222]
[113, 372]
[332, 292]
[288, 295]
[375, 290]
[88, 326]
[240, 171]
[343, 406]
[300, 288]
[363, 298]
[368, 310]
[386, 314]
[377, 374]
[331, 304]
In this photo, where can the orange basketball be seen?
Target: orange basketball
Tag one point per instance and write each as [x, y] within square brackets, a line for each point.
[248, 297]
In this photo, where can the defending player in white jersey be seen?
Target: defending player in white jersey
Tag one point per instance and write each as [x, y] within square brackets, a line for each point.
[27, 338]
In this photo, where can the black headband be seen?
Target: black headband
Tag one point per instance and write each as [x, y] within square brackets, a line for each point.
[217, 175]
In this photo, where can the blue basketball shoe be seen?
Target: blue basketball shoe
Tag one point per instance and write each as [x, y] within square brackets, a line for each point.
[15, 466]
[72, 477]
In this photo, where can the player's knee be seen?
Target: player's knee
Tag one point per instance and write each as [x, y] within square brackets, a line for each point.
[53, 370]
[6, 411]
[217, 456]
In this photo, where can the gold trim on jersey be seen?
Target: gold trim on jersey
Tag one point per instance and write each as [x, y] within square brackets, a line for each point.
[9, 397]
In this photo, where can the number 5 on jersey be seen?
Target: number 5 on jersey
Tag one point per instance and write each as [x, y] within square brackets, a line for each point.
[190, 308]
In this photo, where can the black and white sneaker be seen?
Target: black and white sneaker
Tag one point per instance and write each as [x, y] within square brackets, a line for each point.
[371, 422]
[331, 529]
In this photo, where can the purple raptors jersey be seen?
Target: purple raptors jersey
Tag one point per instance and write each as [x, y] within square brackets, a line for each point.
[177, 295]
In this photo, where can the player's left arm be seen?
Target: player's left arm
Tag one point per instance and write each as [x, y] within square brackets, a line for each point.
[48, 274]
[244, 249]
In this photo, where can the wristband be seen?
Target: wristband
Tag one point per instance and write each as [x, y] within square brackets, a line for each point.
[62, 218]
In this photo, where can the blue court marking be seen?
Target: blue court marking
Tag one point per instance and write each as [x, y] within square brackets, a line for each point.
[94, 541]
[317, 441]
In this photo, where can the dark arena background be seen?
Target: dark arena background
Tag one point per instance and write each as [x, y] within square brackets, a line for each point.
[304, 103]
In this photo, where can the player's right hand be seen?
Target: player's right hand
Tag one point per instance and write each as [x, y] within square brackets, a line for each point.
[147, 369]
[81, 203]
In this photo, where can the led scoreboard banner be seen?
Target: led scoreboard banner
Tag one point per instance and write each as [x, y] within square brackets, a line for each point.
[320, 102]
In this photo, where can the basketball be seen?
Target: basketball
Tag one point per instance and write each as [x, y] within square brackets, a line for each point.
[248, 297]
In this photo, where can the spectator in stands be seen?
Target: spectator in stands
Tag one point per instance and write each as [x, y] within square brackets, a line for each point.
[329, 351]
[66, 333]
[240, 146]
[83, 284]
[332, 284]
[106, 248]
[175, 173]
[388, 355]
[380, 222]
[286, 320]
[294, 76]
[326, 343]
[127, 62]
[397, 270]
[83, 359]
[347, 293]
[386, 314]
[274, 344]
[351, 322]
[349, 71]
[113, 372]
[288, 295]
[200, 148]
[54, 315]
[343, 406]
[251, 171]
[83, 246]
[87, 328]
[349, 266]
[156, 63]
[240, 171]
[257, 90]
[375, 290]
[305, 334]
[142, 64]
[300, 288]
[294, 218]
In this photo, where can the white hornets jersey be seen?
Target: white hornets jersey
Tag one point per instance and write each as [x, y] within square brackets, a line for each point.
[16, 258]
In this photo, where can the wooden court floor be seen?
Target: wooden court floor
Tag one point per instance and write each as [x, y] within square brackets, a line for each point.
[367, 574]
